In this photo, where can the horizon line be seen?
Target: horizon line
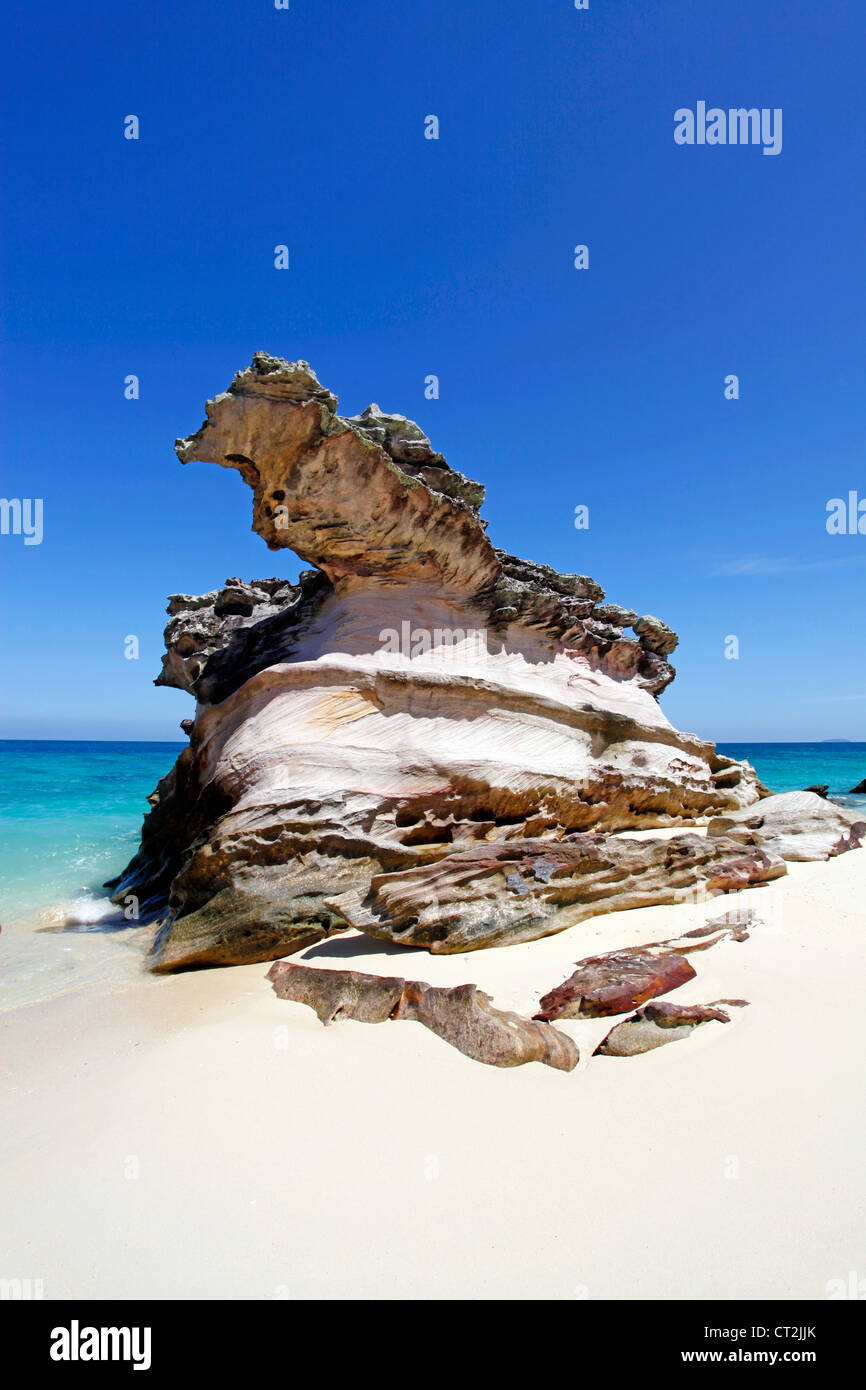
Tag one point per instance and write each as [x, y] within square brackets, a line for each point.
[854, 742]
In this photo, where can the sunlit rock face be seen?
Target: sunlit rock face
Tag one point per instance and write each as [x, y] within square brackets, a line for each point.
[417, 693]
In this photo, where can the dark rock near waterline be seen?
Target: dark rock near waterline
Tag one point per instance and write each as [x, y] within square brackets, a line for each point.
[821, 789]
[860, 789]
[256, 914]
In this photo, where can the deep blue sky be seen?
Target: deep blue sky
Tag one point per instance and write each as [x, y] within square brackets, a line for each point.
[454, 257]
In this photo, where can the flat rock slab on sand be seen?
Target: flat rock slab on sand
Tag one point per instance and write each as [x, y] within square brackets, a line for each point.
[659, 1023]
[463, 1016]
[618, 981]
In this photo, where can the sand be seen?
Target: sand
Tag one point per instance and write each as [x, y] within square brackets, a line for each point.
[193, 1136]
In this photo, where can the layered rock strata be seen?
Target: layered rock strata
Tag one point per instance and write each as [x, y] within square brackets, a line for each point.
[498, 894]
[417, 696]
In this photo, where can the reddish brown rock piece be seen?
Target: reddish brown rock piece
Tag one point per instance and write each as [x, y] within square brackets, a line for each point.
[618, 981]
[853, 840]
[462, 1016]
[465, 1017]
[660, 1022]
[668, 1013]
[614, 983]
[336, 993]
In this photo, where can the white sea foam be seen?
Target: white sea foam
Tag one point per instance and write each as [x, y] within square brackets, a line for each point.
[84, 911]
[76, 944]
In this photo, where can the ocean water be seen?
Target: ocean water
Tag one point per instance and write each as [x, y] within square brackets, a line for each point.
[71, 813]
[790, 767]
[70, 818]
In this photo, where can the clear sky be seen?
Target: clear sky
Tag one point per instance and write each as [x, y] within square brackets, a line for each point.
[454, 256]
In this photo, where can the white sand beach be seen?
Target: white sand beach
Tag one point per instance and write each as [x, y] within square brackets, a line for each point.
[194, 1136]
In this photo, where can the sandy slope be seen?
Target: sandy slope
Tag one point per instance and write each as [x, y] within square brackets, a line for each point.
[278, 1159]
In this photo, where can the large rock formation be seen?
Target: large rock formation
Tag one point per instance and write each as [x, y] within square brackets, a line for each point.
[417, 702]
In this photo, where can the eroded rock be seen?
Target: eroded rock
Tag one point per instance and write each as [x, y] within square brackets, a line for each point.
[617, 981]
[614, 983]
[658, 1023]
[793, 825]
[337, 994]
[346, 494]
[419, 694]
[463, 1016]
[500, 894]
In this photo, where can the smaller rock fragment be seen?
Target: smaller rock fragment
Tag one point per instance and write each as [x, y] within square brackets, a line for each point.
[736, 924]
[614, 983]
[659, 1022]
[618, 981]
[667, 1013]
[853, 840]
[543, 870]
[463, 1016]
[332, 993]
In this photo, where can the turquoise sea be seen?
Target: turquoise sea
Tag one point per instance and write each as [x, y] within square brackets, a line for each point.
[70, 813]
[70, 818]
